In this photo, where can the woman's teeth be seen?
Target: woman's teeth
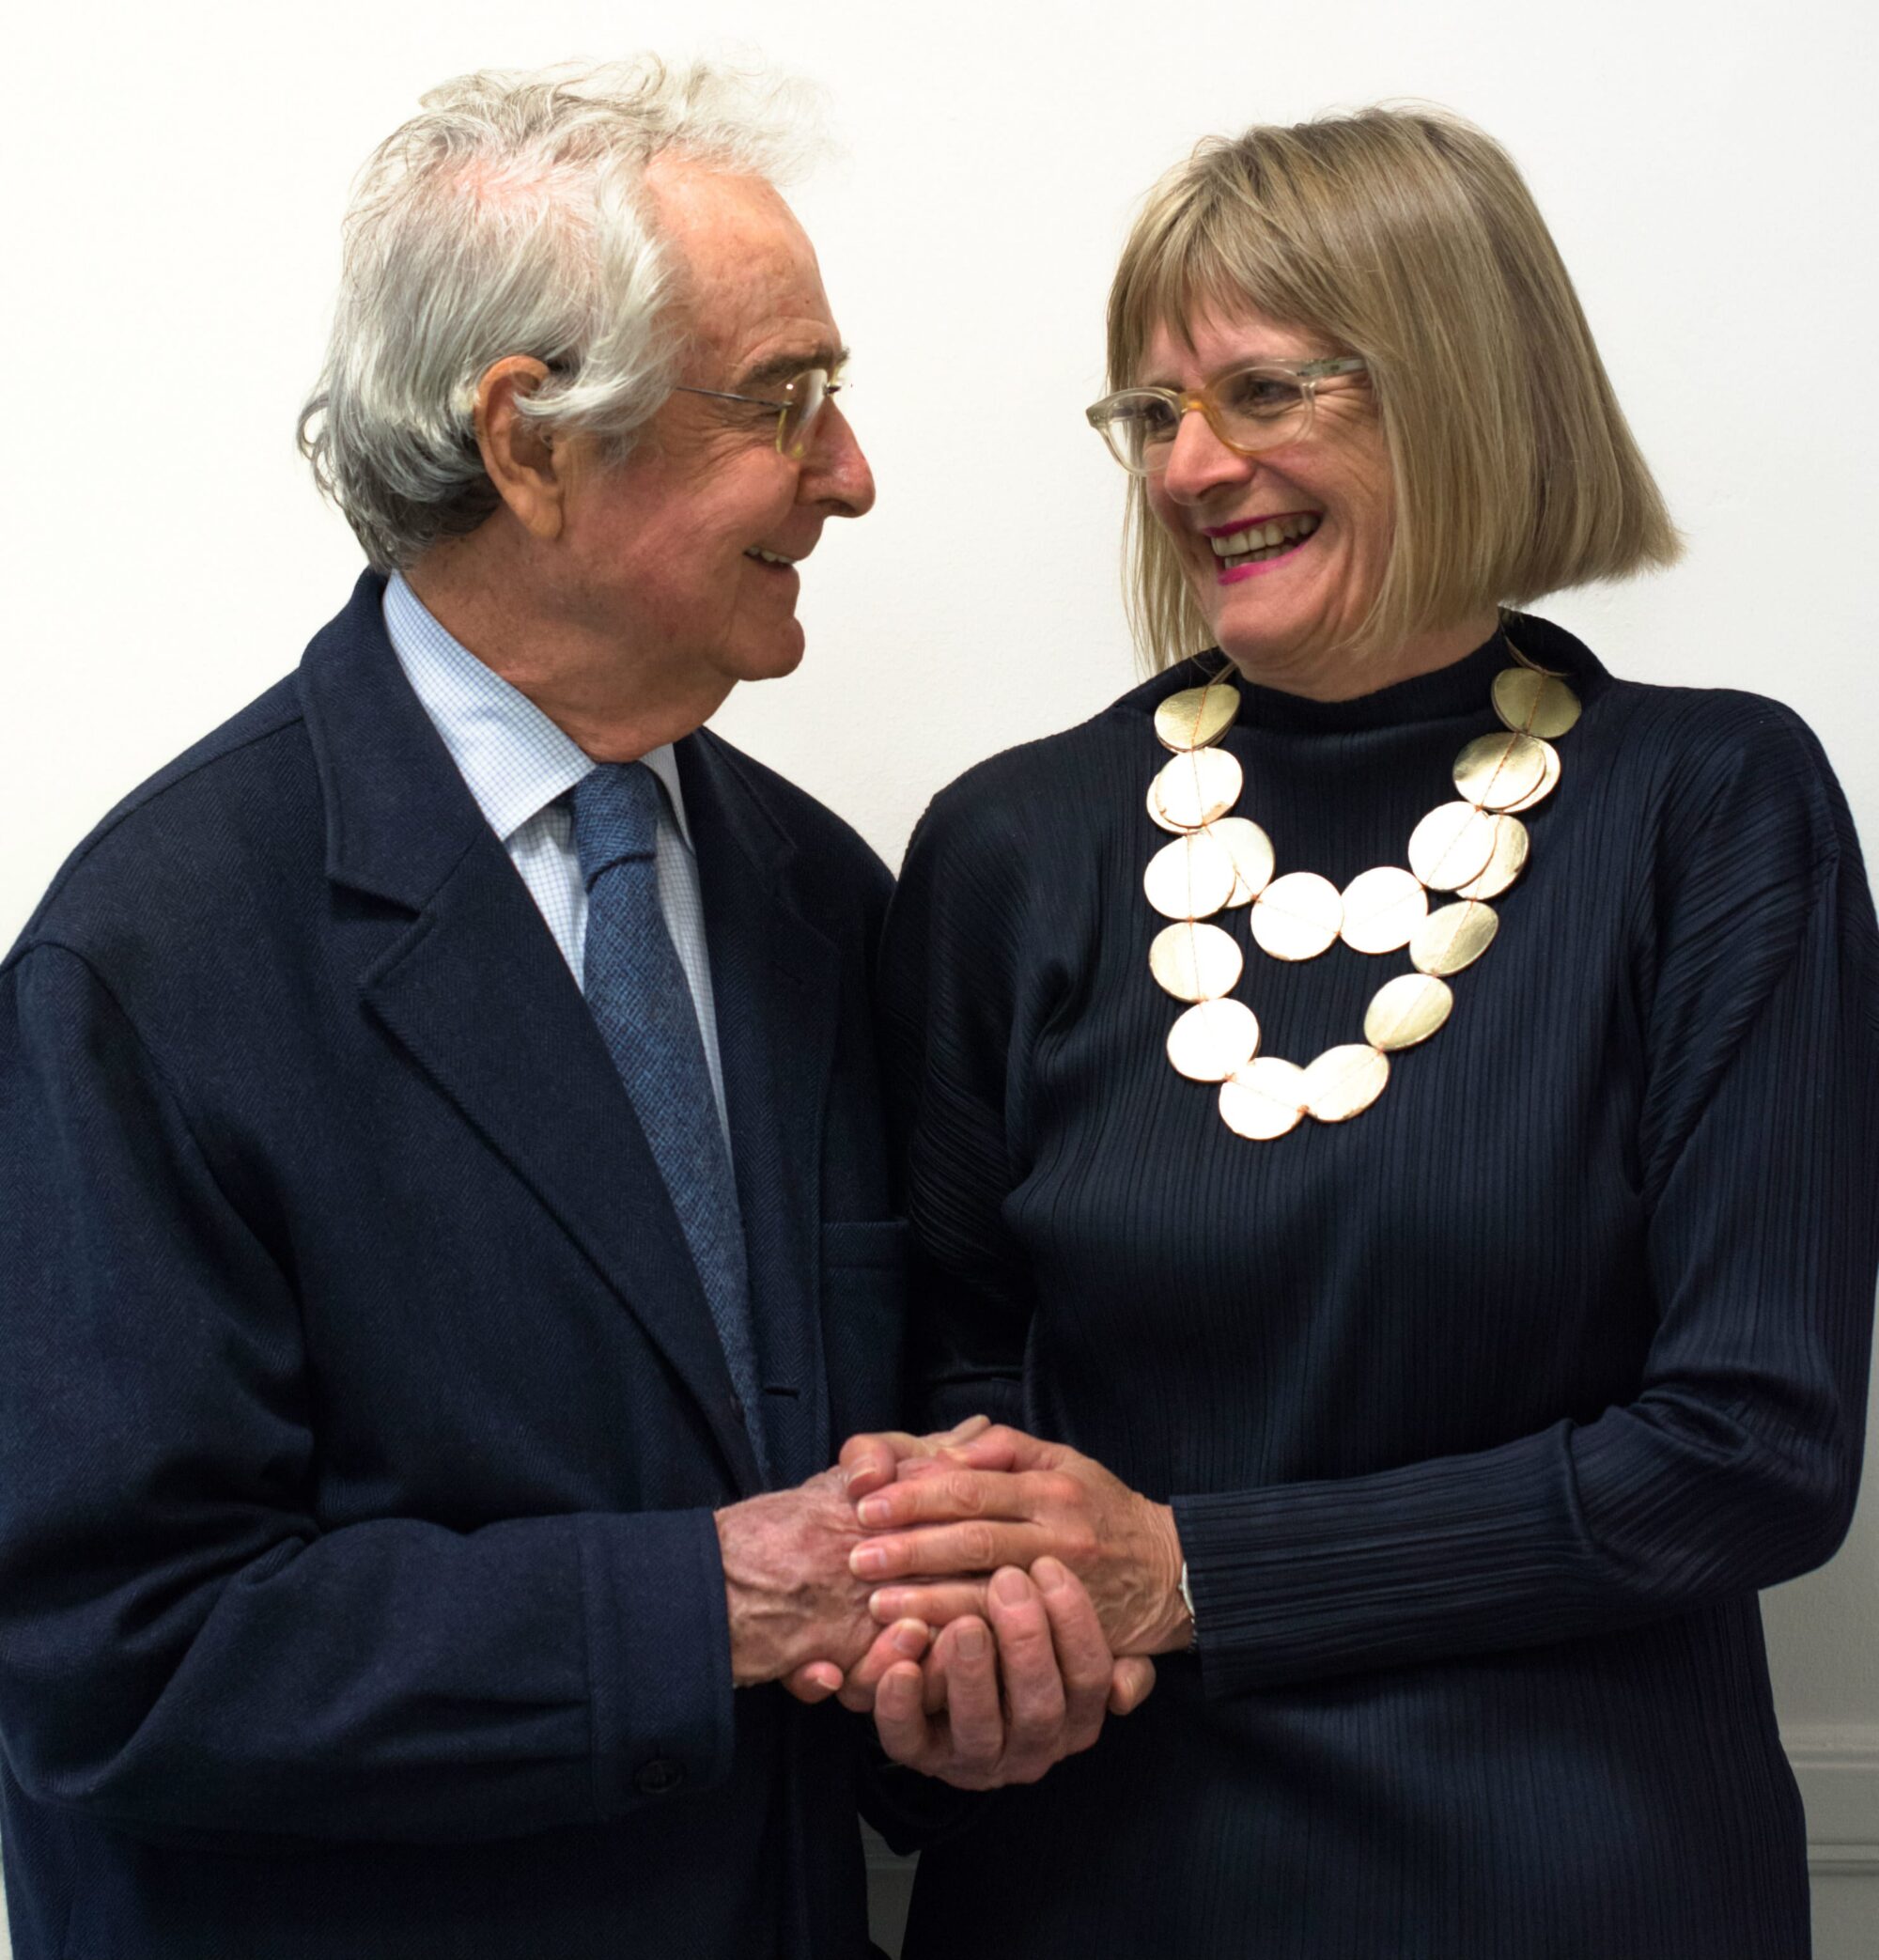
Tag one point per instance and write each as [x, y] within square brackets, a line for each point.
[764, 557]
[1261, 541]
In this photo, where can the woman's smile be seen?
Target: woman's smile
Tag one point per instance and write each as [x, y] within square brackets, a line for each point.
[1255, 545]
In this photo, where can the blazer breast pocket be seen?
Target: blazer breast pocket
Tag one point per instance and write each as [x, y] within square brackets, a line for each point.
[864, 1323]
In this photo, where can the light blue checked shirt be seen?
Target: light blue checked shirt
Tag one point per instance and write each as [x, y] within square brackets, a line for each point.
[517, 765]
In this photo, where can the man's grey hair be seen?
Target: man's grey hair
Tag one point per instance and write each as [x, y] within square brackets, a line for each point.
[510, 217]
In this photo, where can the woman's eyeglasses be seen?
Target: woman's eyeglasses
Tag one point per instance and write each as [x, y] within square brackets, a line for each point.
[1257, 407]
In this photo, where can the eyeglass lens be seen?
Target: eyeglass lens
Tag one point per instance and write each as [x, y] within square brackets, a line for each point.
[807, 393]
[1251, 408]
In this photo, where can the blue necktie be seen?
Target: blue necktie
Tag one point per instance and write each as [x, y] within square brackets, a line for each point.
[637, 992]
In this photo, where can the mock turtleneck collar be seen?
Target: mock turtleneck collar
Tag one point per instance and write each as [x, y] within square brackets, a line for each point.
[1460, 689]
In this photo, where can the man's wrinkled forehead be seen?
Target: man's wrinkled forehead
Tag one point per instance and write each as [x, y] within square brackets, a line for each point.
[744, 274]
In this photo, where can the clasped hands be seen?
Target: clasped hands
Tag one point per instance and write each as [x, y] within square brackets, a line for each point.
[988, 1596]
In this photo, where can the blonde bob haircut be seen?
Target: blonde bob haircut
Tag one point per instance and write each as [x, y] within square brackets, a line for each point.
[1405, 236]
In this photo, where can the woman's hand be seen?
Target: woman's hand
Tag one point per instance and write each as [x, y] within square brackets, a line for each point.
[1003, 1497]
[871, 1461]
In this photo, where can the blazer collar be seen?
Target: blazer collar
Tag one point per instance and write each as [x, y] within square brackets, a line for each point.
[474, 988]
[398, 816]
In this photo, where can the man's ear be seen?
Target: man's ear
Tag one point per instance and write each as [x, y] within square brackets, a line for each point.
[517, 452]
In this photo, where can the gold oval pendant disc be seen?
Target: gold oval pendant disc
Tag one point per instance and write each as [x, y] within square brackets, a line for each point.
[1194, 788]
[1406, 1010]
[1343, 1081]
[1156, 810]
[1250, 849]
[1382, 908]
[1454, 938]
[1263, 1100]
[1196, 718]
[1497, 772]
[1451, 845]
[1510, 845]
[1534, 702]
[1213, 1039]
[1195, 962]
[1548, 784]
[1189, 878]
[1298, 916]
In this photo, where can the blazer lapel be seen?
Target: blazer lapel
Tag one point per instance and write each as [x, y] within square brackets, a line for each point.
[775, 978]
[474, 988]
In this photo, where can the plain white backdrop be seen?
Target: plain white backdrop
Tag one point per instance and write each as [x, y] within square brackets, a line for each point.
[177, 176]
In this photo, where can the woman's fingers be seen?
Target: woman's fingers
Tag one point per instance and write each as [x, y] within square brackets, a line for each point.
[980, 1545]
[1000, 1447]
[998, 1457]
[994, 1448]
[871, 1459]
[934, 1603]
[946, 1492]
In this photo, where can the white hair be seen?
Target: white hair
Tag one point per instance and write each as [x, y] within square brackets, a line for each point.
[511, 218]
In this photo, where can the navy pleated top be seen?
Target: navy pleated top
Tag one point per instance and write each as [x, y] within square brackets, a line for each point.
[1484, 1415]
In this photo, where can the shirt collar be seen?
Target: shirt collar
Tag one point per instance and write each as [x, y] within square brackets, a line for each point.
[514, 759]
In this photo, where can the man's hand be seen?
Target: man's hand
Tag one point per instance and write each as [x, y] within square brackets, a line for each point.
[1002, 1498]
[795, 1609]
[1047, 1647]
[867, 1463]
[787, 1586]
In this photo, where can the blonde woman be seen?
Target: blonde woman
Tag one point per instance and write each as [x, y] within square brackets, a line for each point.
[1390, 1115]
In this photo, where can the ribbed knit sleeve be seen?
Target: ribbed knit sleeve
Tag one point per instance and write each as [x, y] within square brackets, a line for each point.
[1736, 1463]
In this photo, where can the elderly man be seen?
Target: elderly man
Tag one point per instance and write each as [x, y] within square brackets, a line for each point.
[445, 1226]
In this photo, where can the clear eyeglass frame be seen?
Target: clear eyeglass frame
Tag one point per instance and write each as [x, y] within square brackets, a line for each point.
[1243, 435]
[804, 398]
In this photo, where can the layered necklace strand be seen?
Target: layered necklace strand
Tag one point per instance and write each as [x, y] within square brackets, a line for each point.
[1472, 848]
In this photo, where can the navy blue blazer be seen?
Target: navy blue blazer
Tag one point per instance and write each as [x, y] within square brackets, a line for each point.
[363, 1417]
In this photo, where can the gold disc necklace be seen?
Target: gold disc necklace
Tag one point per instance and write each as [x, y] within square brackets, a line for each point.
[1472, 848]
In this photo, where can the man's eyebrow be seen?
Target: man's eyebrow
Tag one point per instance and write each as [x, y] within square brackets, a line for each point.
[786, 368]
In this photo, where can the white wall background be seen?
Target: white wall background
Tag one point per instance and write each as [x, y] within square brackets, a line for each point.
[176, 174]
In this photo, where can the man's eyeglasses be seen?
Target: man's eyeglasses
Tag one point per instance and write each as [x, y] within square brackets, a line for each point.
[1253, 407]
[803, 401]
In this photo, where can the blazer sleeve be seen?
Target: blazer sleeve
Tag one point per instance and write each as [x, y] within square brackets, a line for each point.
[185, 1651]
[1736, 1463]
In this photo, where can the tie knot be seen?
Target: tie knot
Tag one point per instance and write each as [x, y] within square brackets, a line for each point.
[615, 815]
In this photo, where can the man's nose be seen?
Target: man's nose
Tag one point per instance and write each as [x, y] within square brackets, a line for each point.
[835, 471]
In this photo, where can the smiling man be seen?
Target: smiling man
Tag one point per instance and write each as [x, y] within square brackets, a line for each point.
[444, 1222]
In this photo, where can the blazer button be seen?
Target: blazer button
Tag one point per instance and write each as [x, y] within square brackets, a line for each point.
[655, 1778]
